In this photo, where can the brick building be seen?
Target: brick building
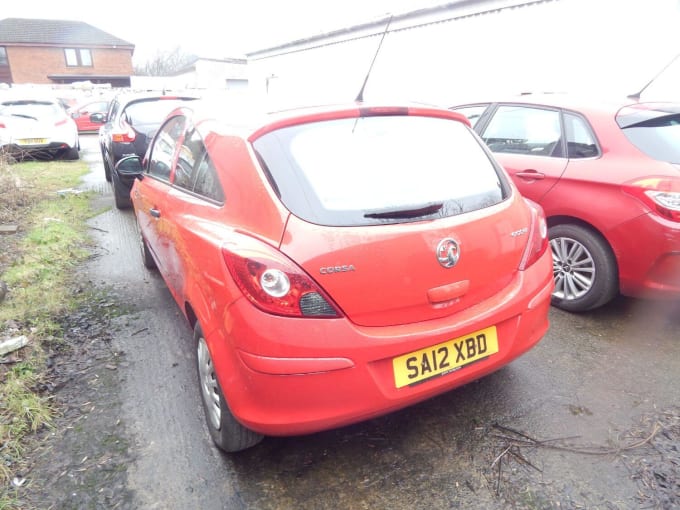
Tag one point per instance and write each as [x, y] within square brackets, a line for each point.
[59, 51]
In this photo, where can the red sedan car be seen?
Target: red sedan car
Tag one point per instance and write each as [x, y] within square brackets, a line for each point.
[607, 175]
[338, 263]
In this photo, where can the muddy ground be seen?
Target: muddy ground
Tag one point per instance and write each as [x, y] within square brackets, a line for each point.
[590, 418]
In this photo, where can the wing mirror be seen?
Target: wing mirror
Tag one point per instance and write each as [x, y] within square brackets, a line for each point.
[98, 118]
[130, 166]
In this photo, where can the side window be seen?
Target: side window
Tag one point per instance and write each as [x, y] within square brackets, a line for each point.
[162, 154]
[581, 141]
[524, 130]
[190, 152]
[206, 182]
[473, 113]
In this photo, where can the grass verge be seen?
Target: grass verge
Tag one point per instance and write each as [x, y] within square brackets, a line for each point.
[36, 263]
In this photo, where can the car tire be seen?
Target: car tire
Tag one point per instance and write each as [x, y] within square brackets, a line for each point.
[107, 167]
[121, 201]
[227, 433]
[71, 154]
[584, 268]
[147, 259]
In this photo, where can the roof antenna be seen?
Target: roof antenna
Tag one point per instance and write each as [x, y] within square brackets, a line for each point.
[637, 95]
[360, 96]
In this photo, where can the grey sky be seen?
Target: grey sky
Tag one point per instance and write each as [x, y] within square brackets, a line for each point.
[237, 27]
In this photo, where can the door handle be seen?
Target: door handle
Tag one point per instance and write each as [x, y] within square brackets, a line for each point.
[530, 175]
[155, 213]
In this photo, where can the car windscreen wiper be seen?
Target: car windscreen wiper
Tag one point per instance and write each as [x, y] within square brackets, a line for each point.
[23, 116]
[406, 213]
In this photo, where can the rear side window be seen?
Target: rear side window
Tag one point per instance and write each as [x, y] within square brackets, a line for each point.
[473, 113]
[524, 130]
[380, 169]
[659, 138]
[194, 170]
[581, 141]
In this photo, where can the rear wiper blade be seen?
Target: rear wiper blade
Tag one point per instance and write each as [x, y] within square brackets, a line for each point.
[406, 213]
[23, 116]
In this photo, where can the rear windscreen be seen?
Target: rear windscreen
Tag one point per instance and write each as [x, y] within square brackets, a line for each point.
[32, 109]
[380, 169]
[151, 112]
[659, 137]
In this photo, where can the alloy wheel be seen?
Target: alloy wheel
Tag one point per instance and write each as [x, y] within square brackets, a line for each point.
[573, 268]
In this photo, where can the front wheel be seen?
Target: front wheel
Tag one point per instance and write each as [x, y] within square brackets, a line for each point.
[584, 268]
[227, 433]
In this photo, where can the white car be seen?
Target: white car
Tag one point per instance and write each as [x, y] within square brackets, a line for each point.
[37, 128]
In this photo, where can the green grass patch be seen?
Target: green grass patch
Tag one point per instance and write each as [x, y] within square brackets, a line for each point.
[52, 240]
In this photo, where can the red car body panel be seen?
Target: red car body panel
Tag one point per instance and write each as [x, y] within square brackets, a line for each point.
[591, 190]
[318, 397]
[286, 375]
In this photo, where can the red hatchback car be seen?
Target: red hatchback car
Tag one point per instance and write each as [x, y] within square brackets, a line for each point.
[338, 263]
[81, 114]
[607, 174]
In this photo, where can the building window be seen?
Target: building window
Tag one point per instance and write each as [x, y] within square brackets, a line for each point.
[3, 56]
[78, 57]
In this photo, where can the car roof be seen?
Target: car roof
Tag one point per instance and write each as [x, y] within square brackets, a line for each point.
[127, 96]
[561, 100]
[608, 105]
[249, 119]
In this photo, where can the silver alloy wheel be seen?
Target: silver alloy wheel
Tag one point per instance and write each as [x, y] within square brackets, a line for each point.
[573, 268]
[209, 389]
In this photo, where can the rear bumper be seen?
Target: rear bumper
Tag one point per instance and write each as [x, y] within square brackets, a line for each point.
[285, 376]
[51, 148]
[648, 252]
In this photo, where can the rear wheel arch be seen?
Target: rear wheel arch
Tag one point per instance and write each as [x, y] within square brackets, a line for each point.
[227, 432]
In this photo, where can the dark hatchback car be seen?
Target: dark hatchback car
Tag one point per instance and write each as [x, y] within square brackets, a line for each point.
[127, 128]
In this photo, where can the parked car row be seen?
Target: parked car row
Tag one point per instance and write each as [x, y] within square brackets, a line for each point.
[36, 127]
[607, 176]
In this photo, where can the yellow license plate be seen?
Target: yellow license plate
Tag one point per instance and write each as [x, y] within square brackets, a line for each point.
[32, 141]
[445, 357]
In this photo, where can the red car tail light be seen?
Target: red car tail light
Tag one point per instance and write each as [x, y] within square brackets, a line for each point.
[275, 284]
[660, 194]
[2, 125]
[127, 135]
[61, 122]
[538, 236]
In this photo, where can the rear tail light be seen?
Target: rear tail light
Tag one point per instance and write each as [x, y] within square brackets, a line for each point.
[537, 243]
[2, 125]
[126, 135]
[660, 194]
[61, 122]
[273, 283]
